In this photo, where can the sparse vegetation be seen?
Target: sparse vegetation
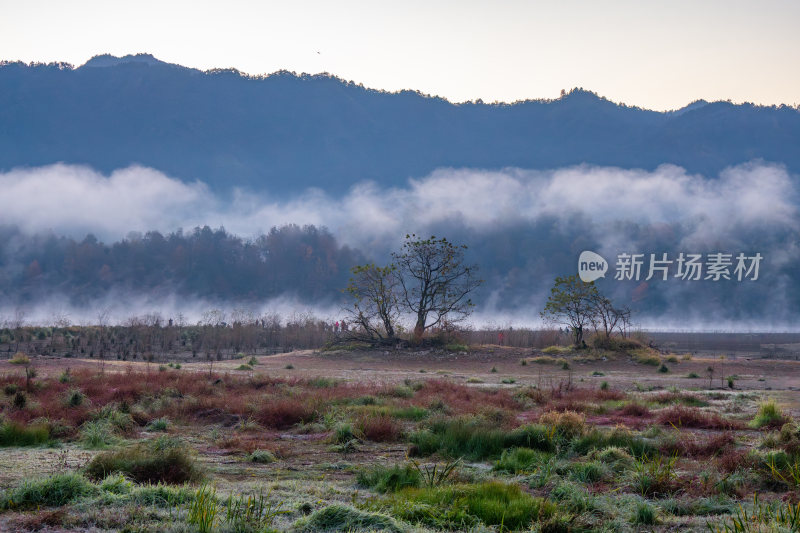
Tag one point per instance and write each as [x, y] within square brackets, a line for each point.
[536, 452]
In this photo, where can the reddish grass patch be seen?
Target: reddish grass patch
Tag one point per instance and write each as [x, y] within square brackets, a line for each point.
[635, 409]
[461, 399]
[679, 416]
[284, 413]
[380, 428]
[732, 460]
[692, 446]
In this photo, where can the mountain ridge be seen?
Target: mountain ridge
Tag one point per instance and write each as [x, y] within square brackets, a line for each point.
[285, 132]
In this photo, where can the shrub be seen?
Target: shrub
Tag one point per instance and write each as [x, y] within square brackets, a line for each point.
[389, 479]
[244, 367]
[75, 398]
[10, 389]
[261, 456]
[692, 375]
[20, 400]
[769, 415]
[339, 517]
[20, 359]
[57, 490]
[159, 424]
[567, 424]
[343, 433]
[253, 361]
[663, 369]
[155, 461]
[645, 357]
[16, 434]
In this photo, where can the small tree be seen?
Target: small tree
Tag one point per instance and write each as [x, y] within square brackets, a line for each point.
[572, 302]
[607, 318]
[434, 281]
[375, 308]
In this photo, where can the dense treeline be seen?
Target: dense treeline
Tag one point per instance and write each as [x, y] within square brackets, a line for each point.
[303, 261]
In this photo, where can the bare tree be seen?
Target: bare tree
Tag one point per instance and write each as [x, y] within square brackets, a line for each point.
[434, 281]
[375, 310]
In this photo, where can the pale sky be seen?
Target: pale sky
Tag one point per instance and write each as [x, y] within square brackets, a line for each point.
[655, 54]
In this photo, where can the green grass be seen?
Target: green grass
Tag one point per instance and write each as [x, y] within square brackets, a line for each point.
[389, 479]
[97, 434]
[589, 471]
[455, 506]
[598, 439]
[644, 514]
[769, 414]
[16, 434]
[521, 460]
[340, 517]
[157, 461]
[159, 424]
[475, 439]
[643, 356]
[57, 490]
[760, 517]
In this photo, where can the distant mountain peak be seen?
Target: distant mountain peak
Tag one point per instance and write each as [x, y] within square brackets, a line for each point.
[108, 60]
[697, 104]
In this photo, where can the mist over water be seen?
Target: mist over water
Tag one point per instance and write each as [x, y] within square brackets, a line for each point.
[523, 228]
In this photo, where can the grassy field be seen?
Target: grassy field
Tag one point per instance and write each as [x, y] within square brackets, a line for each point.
[484, 439]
